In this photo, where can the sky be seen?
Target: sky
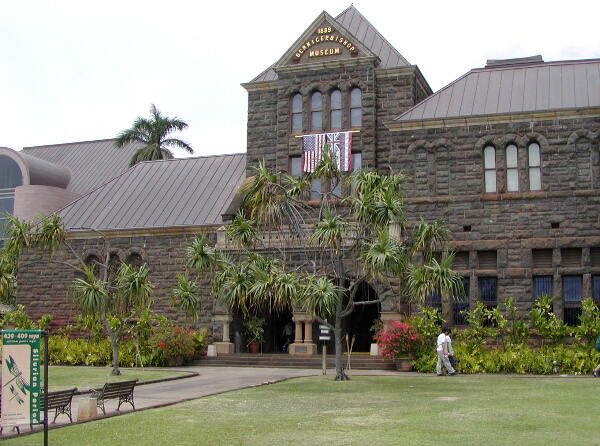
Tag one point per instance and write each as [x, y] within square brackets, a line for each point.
[80, 70]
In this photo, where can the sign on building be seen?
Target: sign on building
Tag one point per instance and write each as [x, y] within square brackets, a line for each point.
[21, 377]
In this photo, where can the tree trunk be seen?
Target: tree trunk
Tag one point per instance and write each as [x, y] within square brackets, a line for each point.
[340, 375]
[115, 355]
[113, 337]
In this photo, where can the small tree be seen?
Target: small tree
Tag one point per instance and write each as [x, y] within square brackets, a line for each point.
[280, 261]
[112, 298]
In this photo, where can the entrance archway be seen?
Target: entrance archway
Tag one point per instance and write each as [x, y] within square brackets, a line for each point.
[360, 322]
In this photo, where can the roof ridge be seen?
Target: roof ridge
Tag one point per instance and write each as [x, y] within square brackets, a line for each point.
[375, 29]
[537, 64]
[68, 143]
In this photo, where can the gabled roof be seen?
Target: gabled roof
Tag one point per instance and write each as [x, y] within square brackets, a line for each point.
[90, 163]
[159, 194]
[364, 32]
[511, 87]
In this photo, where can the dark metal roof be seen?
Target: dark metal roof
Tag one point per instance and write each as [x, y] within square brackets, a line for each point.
[159, 194]
[362, 30]
[90, 163]
[513, 88]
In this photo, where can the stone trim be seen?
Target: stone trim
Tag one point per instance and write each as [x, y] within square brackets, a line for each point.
[142, 232]
[395, 126]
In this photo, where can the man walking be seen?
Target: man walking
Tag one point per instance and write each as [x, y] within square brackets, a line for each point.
[442, 353]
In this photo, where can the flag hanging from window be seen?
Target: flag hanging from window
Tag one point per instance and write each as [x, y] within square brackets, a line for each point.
[340, 148]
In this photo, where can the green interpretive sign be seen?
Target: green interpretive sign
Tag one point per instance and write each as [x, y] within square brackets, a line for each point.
[21, 377]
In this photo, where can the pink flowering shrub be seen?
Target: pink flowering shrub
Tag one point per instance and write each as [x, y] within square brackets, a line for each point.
[399, 340]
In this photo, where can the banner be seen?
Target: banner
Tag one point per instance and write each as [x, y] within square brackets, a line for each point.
[21, 378]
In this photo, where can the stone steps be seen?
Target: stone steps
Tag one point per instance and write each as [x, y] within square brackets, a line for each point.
[357, 362]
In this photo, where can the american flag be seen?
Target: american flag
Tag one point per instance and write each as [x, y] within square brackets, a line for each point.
[340, 147]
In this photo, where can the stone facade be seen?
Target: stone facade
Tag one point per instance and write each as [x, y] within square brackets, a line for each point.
[446, 181]
[44, 282]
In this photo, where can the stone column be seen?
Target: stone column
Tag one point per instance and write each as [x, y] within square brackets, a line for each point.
[308, 332]
[299, 347]
[298, 332]
[387, 317]
[225, 346]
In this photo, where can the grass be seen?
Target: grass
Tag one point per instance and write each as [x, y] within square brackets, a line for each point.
[85, 378]
[420, 411]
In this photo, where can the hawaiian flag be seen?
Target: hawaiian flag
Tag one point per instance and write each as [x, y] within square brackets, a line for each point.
[340, 148]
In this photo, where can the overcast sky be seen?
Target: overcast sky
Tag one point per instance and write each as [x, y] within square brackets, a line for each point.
[81, 70]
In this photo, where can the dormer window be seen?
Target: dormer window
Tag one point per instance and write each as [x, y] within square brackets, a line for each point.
[336, 110]
[489, 163]
[316, 111]
[512, 169]
[297, 113]
[355, 107]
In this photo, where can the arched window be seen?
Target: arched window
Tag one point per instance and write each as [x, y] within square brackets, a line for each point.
[535, 166]
[489, 163]
[135, 260]
[355, 107]
[316, 111]
[336, 110]
[297, 113]
[512, 168]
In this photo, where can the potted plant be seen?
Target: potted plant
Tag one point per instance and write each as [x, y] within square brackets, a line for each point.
[400, 342]
[375, 328]
[254, 329]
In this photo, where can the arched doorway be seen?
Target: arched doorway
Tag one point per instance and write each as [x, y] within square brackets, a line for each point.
[361, 320]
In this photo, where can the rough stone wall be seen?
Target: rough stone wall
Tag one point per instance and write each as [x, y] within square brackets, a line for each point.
[445, 181]
[43, 285]
[385, 94]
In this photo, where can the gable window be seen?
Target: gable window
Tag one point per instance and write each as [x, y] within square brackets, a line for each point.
[461, 304]
[336, 110]
[596, 289]
[572, 293]
[512, 169]
[316, 111]
[489, 163]
[434, 300]
[295, 166]
[355, 107]
[535, 169]
[297, 113]
[542, 285]
[488, 294]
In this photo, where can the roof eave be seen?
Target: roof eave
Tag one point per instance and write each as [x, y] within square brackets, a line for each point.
[462, 121]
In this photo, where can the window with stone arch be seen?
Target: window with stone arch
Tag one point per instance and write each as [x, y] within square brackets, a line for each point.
[316, 111]
[489, 164]
[356, 107]
[134, 259]
[535, 166]
[335, 121]
[512, 168]
[296, 108]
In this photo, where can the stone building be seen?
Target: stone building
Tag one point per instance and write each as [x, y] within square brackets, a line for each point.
[508, 155]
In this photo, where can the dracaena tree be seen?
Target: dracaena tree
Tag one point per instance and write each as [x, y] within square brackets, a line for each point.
[290, 253]
[112, 295]
[155, 135]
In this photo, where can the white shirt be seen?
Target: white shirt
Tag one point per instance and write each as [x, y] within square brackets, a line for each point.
[440, 342]
[449, 344]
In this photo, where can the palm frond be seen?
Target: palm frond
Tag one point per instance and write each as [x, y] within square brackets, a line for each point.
[186, 297]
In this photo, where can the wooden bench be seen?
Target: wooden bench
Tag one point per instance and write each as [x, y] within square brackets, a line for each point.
[60, 401]
[120, 389]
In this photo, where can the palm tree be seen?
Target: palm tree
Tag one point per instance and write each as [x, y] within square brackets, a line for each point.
[154, 133]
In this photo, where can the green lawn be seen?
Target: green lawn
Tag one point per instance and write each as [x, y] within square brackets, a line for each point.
[420, 411]
[85, 378]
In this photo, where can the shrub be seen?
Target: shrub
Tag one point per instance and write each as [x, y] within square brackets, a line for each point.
[545, 322]
[172, 346]
[399, 340]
